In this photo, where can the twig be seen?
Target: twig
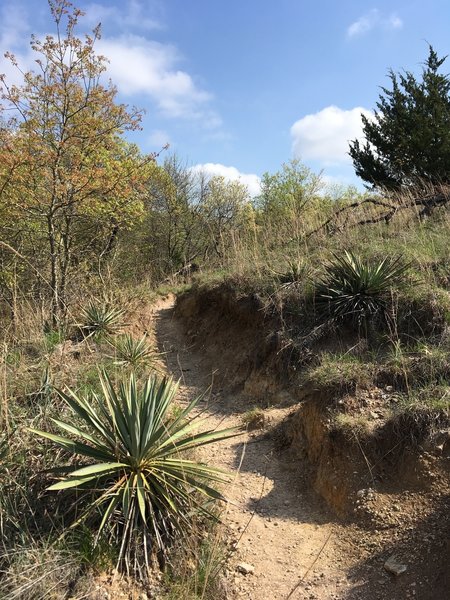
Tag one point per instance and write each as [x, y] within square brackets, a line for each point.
[365, 458]
[257, 501]
[302, 578]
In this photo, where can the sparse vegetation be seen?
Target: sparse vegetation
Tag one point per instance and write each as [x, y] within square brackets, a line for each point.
[340, 371]
[254, 418]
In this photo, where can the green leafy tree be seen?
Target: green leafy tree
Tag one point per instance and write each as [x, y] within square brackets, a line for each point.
[287, 199]
[68, 179]
[224, 212]
[193, 216]
[407, 143]
[174, 230]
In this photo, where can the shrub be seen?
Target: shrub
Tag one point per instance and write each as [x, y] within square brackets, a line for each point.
[136, 474]
[355, 290]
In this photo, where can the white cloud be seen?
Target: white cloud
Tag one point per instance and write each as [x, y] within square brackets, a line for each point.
[252, 181]
[373, 20]
[134, 14]
[137, 65]
[14, 30]
[324, 136]
[159, 138]
[140, 66]
[394, 22]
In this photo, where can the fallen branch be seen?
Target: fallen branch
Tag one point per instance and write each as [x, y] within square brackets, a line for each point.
[428, 203]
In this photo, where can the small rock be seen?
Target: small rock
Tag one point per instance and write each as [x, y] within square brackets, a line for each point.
[245, 568]
[393, 566]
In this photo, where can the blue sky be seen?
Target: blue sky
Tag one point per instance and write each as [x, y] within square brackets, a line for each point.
[243, 86]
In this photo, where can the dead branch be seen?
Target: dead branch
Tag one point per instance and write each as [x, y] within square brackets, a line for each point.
[428, 204]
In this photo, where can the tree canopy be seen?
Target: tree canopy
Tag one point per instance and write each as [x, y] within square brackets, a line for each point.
[407, 143]
[68, 178]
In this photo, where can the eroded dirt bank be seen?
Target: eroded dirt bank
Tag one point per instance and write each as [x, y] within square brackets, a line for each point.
[278, 524]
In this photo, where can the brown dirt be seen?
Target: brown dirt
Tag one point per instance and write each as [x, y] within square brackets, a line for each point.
[269, 523]
[276, 523]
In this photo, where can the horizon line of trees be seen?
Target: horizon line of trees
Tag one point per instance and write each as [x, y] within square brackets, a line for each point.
[77, 199]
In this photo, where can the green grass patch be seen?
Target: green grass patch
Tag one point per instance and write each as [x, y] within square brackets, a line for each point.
[343, 371]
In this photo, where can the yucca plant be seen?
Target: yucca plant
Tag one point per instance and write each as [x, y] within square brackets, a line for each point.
[100, 319]
[130, 352]
[354, 289]
[134, 464]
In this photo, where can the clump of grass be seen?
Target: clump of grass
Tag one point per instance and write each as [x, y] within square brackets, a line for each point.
[423, 311]
[96, 553]
[194, 572]
[53, 337]
[420, 413]
[352, 425]
[254, 418]
[343, 371]
[416, 366]
[296, 273]
[434, 396]
[43, 393]
[38, 570]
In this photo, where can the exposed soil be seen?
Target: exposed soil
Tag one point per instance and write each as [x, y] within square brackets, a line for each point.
[278, 529]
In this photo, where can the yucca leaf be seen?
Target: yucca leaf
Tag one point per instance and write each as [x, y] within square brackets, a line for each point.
[75, 447]
[71, 482]
[126, 494]
[141, 495]
[83, 409]
[108, 513]
[98, 468]
[195, 441]
[80, 433]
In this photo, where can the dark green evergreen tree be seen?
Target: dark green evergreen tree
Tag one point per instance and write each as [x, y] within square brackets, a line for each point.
[407, 144]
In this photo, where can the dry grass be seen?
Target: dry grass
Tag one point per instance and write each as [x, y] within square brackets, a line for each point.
[32, 565]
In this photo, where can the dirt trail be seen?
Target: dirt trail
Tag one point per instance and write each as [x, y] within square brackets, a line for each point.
[275, 525]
